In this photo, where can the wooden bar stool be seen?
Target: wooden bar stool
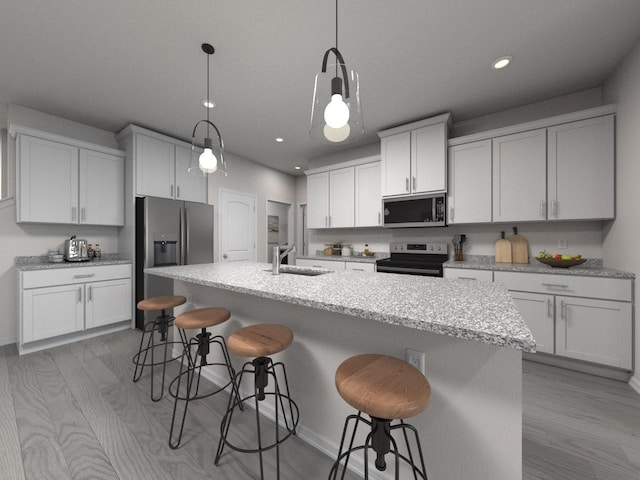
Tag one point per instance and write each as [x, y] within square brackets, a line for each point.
[260, 341]
[160, 325]
[191, 364]
[386, 389]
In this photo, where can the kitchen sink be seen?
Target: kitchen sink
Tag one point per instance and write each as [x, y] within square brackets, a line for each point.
[308, 271]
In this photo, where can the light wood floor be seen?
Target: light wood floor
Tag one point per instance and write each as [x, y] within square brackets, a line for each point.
[73, 413]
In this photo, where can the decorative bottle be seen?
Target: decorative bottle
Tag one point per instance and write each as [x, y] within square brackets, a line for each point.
[97, 252]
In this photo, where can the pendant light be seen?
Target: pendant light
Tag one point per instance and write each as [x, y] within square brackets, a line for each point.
[336, 113]
[212, 158]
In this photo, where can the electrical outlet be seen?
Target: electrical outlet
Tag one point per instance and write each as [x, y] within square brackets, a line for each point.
[189, 297]
[416, 359]
[562, 243]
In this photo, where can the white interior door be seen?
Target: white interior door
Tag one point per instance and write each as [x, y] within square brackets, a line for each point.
[237, 232]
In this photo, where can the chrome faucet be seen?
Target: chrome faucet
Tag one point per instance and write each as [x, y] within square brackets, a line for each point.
[277, 258]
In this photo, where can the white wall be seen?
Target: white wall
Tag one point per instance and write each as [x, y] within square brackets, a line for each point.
[31, 239]
[249, 177]
[621, 238]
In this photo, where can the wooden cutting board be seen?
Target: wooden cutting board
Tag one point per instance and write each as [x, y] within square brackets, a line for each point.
[503, 250]
[519, 247]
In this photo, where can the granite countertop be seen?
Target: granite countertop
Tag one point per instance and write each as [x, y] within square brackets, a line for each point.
[477, 311]
[591, 268]
[25, 264]
[339, 258]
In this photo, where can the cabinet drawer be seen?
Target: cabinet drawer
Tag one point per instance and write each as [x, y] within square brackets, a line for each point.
[68, 276]
[589, 287]
[360, 266]
[469, 274]
[333, 265]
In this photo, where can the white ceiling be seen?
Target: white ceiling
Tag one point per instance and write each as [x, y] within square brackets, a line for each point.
[108, 63]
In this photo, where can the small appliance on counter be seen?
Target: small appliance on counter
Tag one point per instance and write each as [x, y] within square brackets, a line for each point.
[75, 250]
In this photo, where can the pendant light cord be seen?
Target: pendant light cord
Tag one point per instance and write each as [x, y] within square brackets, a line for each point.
[208, 99]
[337, 36]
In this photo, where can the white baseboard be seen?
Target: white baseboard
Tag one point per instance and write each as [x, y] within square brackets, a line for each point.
[327, 446]
[635, 383]
[7, 340]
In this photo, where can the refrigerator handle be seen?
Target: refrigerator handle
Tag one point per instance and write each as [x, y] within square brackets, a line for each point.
[182, 236]
[187, 227]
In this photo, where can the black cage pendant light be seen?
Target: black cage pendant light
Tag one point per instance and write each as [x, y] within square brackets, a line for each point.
[336, 112]
[212, 157]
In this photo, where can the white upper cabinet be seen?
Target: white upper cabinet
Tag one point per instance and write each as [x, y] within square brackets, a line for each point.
[368, 203]
[161, 169]
[60, 182]
[318, 200]
[344, 195]
[469, 192]
[192, 188]
[101, 188]
[414, 157]
[155, 167]
[581, 170]
[519, 177]
[341, 198]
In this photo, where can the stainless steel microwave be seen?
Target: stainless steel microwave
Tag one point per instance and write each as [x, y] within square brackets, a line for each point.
[416, 211]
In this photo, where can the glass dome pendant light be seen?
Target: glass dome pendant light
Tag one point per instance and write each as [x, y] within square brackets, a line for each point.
[336, 113]
[212, 157]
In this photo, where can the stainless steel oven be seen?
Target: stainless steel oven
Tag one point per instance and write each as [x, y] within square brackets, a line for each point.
[424, 259]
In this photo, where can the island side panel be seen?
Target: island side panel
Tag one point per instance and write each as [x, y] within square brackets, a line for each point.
[473, 425]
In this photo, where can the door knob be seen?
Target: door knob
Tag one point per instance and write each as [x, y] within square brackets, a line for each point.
[225, 256]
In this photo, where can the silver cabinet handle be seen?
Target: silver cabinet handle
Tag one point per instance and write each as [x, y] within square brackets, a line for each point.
[225, 256]
[555, 285]
[451, 213]
[88, 275]
[378, 218]
[406, 183]
[467, 278]
[171, 191]
[414, 183]
[542, 208]
[357, 269]
[554, 208]
[178, 191]
[83, 214]
[73, 214]
[563, 310]
[549, 308]
[89, 294]
[79, 294]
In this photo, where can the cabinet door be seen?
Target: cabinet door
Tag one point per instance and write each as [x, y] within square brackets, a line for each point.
[537, 310]
[101, 188]
[470, 183]
[395, 153]
[48, 181]
[51, 311]
[318, 200]
[341, 198]
[597, 331]
[581, 170]
[429, 159]
[189, 187]
[155, 167]
[368, 202]
[108, 302]
[519, 177]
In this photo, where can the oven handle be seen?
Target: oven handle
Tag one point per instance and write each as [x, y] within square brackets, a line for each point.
[426, 271]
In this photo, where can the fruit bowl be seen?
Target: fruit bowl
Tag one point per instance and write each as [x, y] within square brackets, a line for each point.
[554, 262]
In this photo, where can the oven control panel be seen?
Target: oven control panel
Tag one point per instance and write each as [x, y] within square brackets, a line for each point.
[425, 248]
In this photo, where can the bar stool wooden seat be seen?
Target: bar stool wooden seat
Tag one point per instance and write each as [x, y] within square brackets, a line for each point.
[192, 362]
[161, 325]
[260, 341]
[386, 389]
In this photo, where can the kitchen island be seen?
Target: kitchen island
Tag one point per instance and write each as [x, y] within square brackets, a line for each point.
[471, 332]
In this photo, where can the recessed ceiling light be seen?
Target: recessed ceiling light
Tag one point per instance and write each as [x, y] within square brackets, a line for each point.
[297, 167]
[502, 62]
[279, 139]
[208, 103]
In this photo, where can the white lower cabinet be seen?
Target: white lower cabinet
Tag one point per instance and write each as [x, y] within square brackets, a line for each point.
[337, 265]
[584, 318]
[64, 301]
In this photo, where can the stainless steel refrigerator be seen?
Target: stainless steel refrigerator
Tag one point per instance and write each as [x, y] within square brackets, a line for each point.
[169, 232]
